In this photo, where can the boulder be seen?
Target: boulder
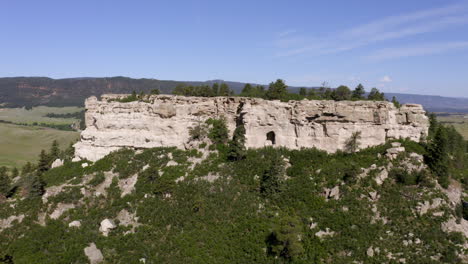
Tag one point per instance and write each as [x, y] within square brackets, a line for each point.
[57, 163]
[106, 226]
[94, 254]
[74, 224]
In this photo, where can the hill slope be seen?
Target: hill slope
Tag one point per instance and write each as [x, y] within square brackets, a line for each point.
[165, 205]
[32, 91]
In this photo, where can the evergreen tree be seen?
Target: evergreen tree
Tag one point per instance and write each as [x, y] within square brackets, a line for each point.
[312, 94]
[14, 173]
[342, 93]
[328, 94]
[395, 102]
[277, 90]
[155, 91]
[54, 151]
[27, 168]
[376, 95]
[438, 156]
[358, 92]
[247, 90]
[224, 90]
[218, 133]
[237, 144]
[285, 241]
[178, 90]
[215, 89]
[352, 145]
[433, 125]
[5, 182]
[34, 185]
[272, 178]
[69, 152]
[303, 91]
[43, 164]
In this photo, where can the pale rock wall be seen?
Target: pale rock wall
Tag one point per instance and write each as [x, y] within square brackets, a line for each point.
[164, 121]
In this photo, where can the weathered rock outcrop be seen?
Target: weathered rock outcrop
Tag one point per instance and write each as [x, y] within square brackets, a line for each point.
[164, 120]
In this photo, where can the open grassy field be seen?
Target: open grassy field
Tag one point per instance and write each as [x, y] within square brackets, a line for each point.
[20, 144]
[459, 121]
[37, 114]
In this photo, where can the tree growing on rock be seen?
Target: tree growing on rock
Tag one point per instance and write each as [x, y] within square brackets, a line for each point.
[218, 133]
[236, 150]
[352, 145]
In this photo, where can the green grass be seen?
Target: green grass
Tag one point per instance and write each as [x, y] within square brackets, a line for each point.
[20, 144]
[459, 121]
[37, 114]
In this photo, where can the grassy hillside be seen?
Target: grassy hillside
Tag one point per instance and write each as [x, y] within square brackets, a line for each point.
[20, 144]
[38, 115]
[459, 121]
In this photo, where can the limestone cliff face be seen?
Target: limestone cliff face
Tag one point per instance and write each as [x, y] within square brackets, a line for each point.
[165, 119]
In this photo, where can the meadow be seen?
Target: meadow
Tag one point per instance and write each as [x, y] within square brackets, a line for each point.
[20, 144]
[459, 121]
[38, 115]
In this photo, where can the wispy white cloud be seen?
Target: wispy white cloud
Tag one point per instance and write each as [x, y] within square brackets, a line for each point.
[416, 50]
[285, 33]
[386, 79]
[394, 27]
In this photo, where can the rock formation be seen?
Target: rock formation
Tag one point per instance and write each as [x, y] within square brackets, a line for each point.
[164, 120]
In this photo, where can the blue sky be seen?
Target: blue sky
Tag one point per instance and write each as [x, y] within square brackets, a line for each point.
[418, 46]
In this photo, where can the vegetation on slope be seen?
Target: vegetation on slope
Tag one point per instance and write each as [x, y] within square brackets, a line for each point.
[231, 205]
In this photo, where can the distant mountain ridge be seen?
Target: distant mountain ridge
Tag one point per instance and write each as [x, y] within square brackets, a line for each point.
[33, 91]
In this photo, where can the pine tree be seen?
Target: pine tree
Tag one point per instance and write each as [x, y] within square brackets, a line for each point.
[237, 144]
[43, 164]
[303, 91]
[433, 125]
[34, 185]
[27, 168]
[54, 151]
[277, 90]
[438, 156]
[358, 92]
[341, 93]
[14, 173]
[273, 177]
[395, 102]
[5, 182]
[352, 145]
[285, 241]
[247, 90]
[376, 95]
[155, 91]
[69, 152]
[215, 89]
[224, 90]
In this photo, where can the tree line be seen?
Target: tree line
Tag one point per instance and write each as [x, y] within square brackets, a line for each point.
[278, 90]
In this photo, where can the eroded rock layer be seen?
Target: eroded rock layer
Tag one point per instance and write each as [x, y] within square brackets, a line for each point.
[164, 120]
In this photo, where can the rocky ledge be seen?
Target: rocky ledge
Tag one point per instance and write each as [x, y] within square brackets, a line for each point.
[164, 120]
